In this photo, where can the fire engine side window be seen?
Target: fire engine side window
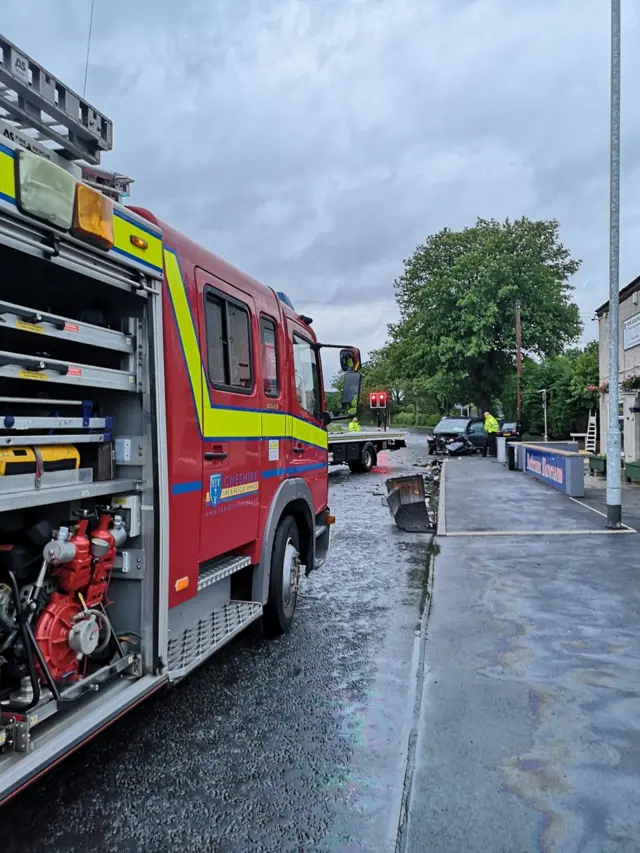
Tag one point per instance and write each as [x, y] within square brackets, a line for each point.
[305, 360]
[215, 340]
[228, 343]
[269, 356]
[239, 347]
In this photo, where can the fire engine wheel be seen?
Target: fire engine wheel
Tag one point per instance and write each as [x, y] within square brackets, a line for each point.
[283, 582]
[366, 461]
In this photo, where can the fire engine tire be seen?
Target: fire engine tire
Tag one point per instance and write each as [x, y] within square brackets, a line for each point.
[283, 595]
[366, 461]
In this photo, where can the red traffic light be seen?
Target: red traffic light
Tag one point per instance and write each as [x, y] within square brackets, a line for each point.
[378, 399]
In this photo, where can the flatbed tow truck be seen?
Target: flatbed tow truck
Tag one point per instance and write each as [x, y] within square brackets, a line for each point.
[359, 450]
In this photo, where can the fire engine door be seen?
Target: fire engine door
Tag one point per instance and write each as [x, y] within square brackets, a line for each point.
[307, 456]
[232, 439]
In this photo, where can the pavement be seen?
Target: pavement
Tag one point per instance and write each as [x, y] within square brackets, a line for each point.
[479, 693]
[529, 735]
[595, 496]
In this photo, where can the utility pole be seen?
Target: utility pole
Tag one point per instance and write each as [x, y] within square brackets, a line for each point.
[518, 364]
[614, 474]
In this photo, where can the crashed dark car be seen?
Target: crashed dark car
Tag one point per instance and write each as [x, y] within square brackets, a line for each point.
[454, 428]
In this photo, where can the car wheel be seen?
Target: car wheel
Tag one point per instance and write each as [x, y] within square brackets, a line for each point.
[283, 580]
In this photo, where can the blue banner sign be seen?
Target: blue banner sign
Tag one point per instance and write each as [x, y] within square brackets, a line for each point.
[549, 467]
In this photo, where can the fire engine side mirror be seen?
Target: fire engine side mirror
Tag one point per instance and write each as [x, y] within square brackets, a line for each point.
[326, 418]
[350, 390]
[350, 360]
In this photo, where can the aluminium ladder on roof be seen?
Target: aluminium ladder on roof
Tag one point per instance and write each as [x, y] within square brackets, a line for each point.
[35, 102]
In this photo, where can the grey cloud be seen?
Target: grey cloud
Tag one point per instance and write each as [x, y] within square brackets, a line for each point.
[314, 144]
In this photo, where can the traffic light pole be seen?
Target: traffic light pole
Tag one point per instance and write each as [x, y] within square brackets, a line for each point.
[378, 401]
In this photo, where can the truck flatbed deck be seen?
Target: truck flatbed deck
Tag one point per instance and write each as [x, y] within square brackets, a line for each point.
[359, 450]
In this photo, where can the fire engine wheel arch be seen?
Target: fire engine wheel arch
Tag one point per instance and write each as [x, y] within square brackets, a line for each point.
[283, 580]
[368, 459]
[294, 499]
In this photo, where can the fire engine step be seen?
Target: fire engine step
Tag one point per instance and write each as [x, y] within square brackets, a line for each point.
[220, 569]
[193, 645]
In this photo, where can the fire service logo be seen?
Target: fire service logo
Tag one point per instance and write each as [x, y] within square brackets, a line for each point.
[231, 487]
[215, 489]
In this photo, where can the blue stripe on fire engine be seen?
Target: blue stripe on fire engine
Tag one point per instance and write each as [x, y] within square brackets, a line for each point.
[196, 485]
[294, 469]
[186, 488]
[132, 257]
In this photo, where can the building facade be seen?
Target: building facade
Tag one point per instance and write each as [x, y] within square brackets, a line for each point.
[629, 370]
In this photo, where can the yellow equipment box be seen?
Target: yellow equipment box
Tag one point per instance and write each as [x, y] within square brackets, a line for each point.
[23, 460]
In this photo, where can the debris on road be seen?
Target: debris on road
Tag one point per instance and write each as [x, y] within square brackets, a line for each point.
[413, 500]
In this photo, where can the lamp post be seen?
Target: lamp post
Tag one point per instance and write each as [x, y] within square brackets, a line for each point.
[543, 391]
[614, 474]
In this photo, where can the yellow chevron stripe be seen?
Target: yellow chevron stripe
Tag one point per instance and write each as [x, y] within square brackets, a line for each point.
[7, 176]
[124, 228]
[230, 423]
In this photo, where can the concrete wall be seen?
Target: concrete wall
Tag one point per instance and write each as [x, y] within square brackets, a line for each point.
[629, 359]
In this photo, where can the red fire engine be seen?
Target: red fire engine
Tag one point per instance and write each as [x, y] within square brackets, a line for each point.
[163, 442]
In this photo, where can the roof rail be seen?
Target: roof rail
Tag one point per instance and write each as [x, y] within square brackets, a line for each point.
[42, 107]
[112, 184]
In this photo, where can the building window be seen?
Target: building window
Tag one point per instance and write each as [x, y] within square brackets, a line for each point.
[308, 389]
[269, 356]
[228, 328]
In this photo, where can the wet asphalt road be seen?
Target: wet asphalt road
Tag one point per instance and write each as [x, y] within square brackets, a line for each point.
[289, 745]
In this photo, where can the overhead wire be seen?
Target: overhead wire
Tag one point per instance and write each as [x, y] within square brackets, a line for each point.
[584, 314]
[86, 65]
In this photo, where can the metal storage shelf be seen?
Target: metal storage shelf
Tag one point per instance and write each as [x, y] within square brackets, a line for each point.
[22, 440]
[60, 494]
[19, 423]
[19, 366]
[23, 319]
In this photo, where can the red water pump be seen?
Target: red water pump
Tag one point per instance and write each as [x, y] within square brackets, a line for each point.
[68, 628]
[108, 536]
[70, 556]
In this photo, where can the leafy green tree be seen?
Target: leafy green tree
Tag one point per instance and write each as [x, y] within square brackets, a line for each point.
[567, 379]
[458, 297]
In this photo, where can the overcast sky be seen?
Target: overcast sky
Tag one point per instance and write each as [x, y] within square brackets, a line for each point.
[315, 143]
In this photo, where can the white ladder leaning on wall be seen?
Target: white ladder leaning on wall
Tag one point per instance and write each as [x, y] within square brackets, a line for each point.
[592, 432]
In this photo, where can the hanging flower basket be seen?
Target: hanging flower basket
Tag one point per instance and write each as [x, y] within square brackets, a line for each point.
[604, 388]
[631, 383]
[593, 391]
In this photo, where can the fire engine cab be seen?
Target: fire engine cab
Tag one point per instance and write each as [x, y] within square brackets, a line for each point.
[163, 441]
